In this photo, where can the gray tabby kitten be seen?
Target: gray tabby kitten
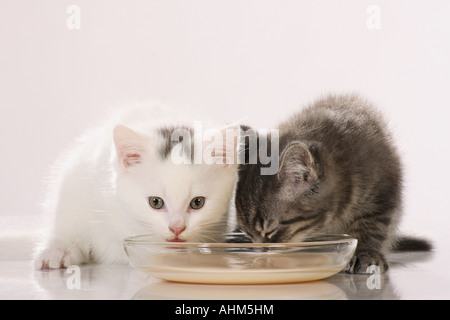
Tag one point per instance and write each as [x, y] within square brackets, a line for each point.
[339, 172]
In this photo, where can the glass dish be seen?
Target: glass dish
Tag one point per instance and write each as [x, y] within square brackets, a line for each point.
[237, 262]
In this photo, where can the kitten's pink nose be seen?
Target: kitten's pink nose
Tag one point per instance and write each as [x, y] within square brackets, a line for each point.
[177, 230]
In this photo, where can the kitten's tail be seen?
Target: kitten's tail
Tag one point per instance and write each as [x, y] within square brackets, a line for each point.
[407, 243]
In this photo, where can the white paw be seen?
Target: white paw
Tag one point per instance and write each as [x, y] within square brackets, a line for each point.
[56, 258]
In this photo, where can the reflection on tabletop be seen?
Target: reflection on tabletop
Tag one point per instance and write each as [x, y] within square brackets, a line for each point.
[178, 291]
[124, 282]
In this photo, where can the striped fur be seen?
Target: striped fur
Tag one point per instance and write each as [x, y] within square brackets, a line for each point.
[339, 173]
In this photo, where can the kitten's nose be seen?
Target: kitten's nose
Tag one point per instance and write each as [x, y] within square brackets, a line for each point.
[177, 230]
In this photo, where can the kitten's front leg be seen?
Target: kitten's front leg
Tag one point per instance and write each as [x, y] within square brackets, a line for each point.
[364, 259]
[56, 257]
[371, 235]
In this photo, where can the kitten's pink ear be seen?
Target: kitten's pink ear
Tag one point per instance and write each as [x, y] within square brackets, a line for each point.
[130, 146]
[297, 170]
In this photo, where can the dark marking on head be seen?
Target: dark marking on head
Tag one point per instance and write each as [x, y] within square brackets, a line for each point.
[173, 135]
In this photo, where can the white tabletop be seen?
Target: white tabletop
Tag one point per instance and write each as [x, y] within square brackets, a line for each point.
[412, 275]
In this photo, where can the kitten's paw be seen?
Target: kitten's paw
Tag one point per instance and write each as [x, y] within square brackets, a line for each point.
[56, 258]
[364, 262]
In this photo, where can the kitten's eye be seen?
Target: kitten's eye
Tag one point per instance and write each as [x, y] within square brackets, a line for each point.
[197, 202]
[156, 202]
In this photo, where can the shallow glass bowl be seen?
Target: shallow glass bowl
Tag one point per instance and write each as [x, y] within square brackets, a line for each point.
[235, 262]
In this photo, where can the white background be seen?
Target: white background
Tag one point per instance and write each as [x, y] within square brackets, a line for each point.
[261, 60]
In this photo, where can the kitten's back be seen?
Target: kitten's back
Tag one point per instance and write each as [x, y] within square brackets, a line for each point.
[351, 132]
[362, 171]
[338, 121]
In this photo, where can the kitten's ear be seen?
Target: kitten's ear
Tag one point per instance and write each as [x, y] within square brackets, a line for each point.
[297, 170]
[130, 146]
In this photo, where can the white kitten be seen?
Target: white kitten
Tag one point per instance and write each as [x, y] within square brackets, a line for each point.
[119, 180]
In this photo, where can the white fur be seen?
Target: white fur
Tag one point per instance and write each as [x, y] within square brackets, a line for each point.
[97, 201]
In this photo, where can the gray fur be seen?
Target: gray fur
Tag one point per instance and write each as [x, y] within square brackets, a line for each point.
[173, 135]
[339, 173]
